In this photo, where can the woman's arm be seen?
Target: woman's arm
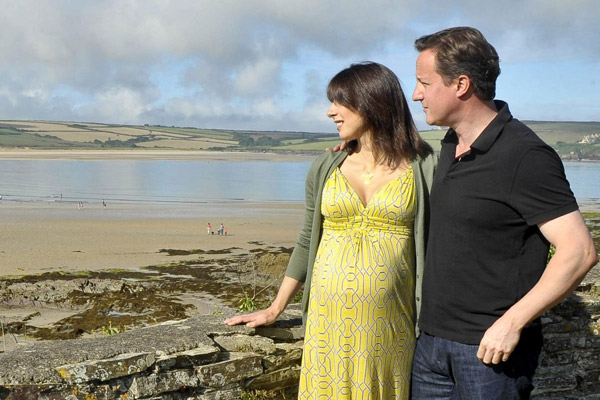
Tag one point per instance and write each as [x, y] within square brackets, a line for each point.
[289, 287]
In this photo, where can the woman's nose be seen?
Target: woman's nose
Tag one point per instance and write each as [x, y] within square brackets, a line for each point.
[330, 111]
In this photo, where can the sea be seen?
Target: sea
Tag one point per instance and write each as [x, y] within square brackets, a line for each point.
[189, 181]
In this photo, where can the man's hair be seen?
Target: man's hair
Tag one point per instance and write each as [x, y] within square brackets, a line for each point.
[464, 51]
[374, 92]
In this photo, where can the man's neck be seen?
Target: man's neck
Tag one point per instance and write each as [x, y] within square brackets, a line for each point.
[468, 129]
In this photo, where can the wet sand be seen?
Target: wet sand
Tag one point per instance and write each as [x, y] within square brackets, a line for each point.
[58, 236]
[37, 238]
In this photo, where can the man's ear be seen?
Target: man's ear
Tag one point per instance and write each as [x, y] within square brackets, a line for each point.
[463, 85]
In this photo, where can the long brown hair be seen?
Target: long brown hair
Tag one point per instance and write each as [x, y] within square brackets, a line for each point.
[374, 92]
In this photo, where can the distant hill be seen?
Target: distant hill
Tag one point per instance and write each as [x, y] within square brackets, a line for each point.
[563, 136]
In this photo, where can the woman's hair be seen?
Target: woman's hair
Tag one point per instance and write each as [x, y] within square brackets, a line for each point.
[464, 50]
[374, 92]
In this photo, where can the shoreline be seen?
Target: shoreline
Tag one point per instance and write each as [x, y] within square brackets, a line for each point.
[38, 238]
[21, 154]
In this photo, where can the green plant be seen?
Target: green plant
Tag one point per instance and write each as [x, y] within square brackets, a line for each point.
[110, 330]
[259, 395]
[247, 304]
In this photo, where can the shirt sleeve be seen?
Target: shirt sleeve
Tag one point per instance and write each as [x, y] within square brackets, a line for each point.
[540, 190]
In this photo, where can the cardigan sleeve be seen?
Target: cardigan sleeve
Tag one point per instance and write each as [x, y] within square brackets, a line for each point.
[298, 264]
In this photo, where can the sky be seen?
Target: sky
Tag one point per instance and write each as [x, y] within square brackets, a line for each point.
[265, 64]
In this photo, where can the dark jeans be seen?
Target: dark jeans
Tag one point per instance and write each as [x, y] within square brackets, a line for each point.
[443, 369]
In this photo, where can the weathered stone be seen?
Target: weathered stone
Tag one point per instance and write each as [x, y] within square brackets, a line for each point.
[190, 365]
[233, 367]
[189, 358]
[37, 363]
[230, 392]
[276, 380]
[34, 392]
[287, 354]
[245, 343]
[555, 343]
[557, 358]
[285, 331]
[103, 370]
[588, 360]
[170, 381]
[559, 378]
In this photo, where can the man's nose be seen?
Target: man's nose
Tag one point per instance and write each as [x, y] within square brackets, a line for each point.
[417, 96]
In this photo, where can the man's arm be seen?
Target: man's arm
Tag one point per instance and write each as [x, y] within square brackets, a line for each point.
[575, 255]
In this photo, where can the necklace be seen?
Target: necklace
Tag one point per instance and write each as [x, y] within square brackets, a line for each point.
[368, 174]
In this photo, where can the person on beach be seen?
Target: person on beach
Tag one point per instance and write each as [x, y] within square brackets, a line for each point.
[208, 228]
[499, 199]
[361, 249]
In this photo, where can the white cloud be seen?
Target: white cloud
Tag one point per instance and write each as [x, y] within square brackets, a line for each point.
[84, 59]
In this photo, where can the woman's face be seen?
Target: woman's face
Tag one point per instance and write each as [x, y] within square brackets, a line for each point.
[350, 124]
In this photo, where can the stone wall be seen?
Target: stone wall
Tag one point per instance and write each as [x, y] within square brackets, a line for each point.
[570, 363]
[200, 358]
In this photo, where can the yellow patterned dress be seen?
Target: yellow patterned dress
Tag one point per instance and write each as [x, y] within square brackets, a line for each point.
[360, 337]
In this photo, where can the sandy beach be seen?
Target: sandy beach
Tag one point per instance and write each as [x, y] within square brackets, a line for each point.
[37, 238]
[58, 236]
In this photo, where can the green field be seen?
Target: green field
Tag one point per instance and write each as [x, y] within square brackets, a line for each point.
[49, 135]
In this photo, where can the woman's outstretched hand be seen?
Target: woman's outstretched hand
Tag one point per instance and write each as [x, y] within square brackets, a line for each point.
[252, 320]
[289, 287]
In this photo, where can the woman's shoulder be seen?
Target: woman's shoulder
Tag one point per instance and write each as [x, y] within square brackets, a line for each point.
[328, 158]
[323, 163]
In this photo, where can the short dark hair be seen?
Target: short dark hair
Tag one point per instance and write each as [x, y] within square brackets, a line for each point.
[374, 92]
[464, 51]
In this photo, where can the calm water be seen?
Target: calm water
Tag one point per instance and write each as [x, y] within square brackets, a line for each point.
[167, 181]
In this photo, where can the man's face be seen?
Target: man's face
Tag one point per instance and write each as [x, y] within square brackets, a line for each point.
[435, 96]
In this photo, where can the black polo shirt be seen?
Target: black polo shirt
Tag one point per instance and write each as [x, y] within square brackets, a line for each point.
[485, 250]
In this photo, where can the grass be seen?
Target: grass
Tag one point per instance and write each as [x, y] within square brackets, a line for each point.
[554, 132]
[563, 136]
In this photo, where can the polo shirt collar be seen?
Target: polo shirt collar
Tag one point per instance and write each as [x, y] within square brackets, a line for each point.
[489, 135]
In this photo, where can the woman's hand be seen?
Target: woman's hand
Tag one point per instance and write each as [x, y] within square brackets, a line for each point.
[258, 318]
[289, 287]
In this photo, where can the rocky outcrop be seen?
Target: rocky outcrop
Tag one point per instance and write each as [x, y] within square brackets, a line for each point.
[198, 358]
[201, 358]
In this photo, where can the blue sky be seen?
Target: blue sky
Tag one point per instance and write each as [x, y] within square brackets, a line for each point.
[264, 64]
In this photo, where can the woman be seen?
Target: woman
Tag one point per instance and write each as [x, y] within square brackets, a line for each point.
[362, 246]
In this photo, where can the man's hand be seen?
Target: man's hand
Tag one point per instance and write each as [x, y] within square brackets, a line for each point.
[499, 341]
[337, 148]
[575, 255]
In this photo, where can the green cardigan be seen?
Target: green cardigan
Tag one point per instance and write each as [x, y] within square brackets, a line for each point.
[303, 257]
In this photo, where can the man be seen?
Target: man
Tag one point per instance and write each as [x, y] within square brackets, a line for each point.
[499, 198]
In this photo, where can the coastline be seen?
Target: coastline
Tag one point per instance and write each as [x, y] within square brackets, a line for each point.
[38, 237]
[21, 154]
